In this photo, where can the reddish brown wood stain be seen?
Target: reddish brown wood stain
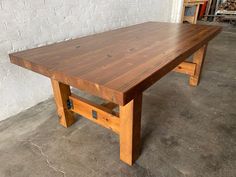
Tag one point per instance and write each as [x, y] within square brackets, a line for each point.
[119, 64]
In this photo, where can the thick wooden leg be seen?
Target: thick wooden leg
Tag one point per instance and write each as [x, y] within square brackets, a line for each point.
[130, 130]
[198, 59]
[61, 95]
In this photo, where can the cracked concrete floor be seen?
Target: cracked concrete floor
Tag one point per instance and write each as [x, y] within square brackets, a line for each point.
[186, 131]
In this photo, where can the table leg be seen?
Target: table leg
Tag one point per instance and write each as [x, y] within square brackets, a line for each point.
[198, 59]
[61, 95]
[130, 130]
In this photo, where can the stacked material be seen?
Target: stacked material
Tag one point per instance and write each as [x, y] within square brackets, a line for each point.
[229, 5]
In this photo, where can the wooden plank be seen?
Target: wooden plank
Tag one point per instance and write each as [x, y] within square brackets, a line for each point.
[196, 14]
[115, 65]
[130, 130]
[198, 58]
[186, 68]
[183, 13]
[96, 113]
[61, 95]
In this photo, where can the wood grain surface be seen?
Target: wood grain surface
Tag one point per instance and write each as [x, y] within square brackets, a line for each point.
[118, 64]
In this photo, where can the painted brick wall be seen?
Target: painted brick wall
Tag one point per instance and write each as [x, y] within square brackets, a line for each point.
[31, 23]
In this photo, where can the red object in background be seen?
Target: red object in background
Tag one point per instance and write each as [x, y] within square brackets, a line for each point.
[202, 10]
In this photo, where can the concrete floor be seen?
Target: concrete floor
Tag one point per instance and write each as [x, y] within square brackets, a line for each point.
[186, 131]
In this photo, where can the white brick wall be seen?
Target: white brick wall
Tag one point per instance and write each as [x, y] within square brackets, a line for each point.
[31, 23]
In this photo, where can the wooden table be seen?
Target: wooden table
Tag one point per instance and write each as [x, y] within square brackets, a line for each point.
[118, 66]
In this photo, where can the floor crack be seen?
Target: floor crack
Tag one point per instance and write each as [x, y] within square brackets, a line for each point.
[49, 164]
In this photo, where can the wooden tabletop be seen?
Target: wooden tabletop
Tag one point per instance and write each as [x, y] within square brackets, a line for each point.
[117, 65]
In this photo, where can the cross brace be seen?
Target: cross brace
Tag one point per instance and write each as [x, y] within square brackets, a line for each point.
[97, 113]
[194, 68]
[186, 68]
